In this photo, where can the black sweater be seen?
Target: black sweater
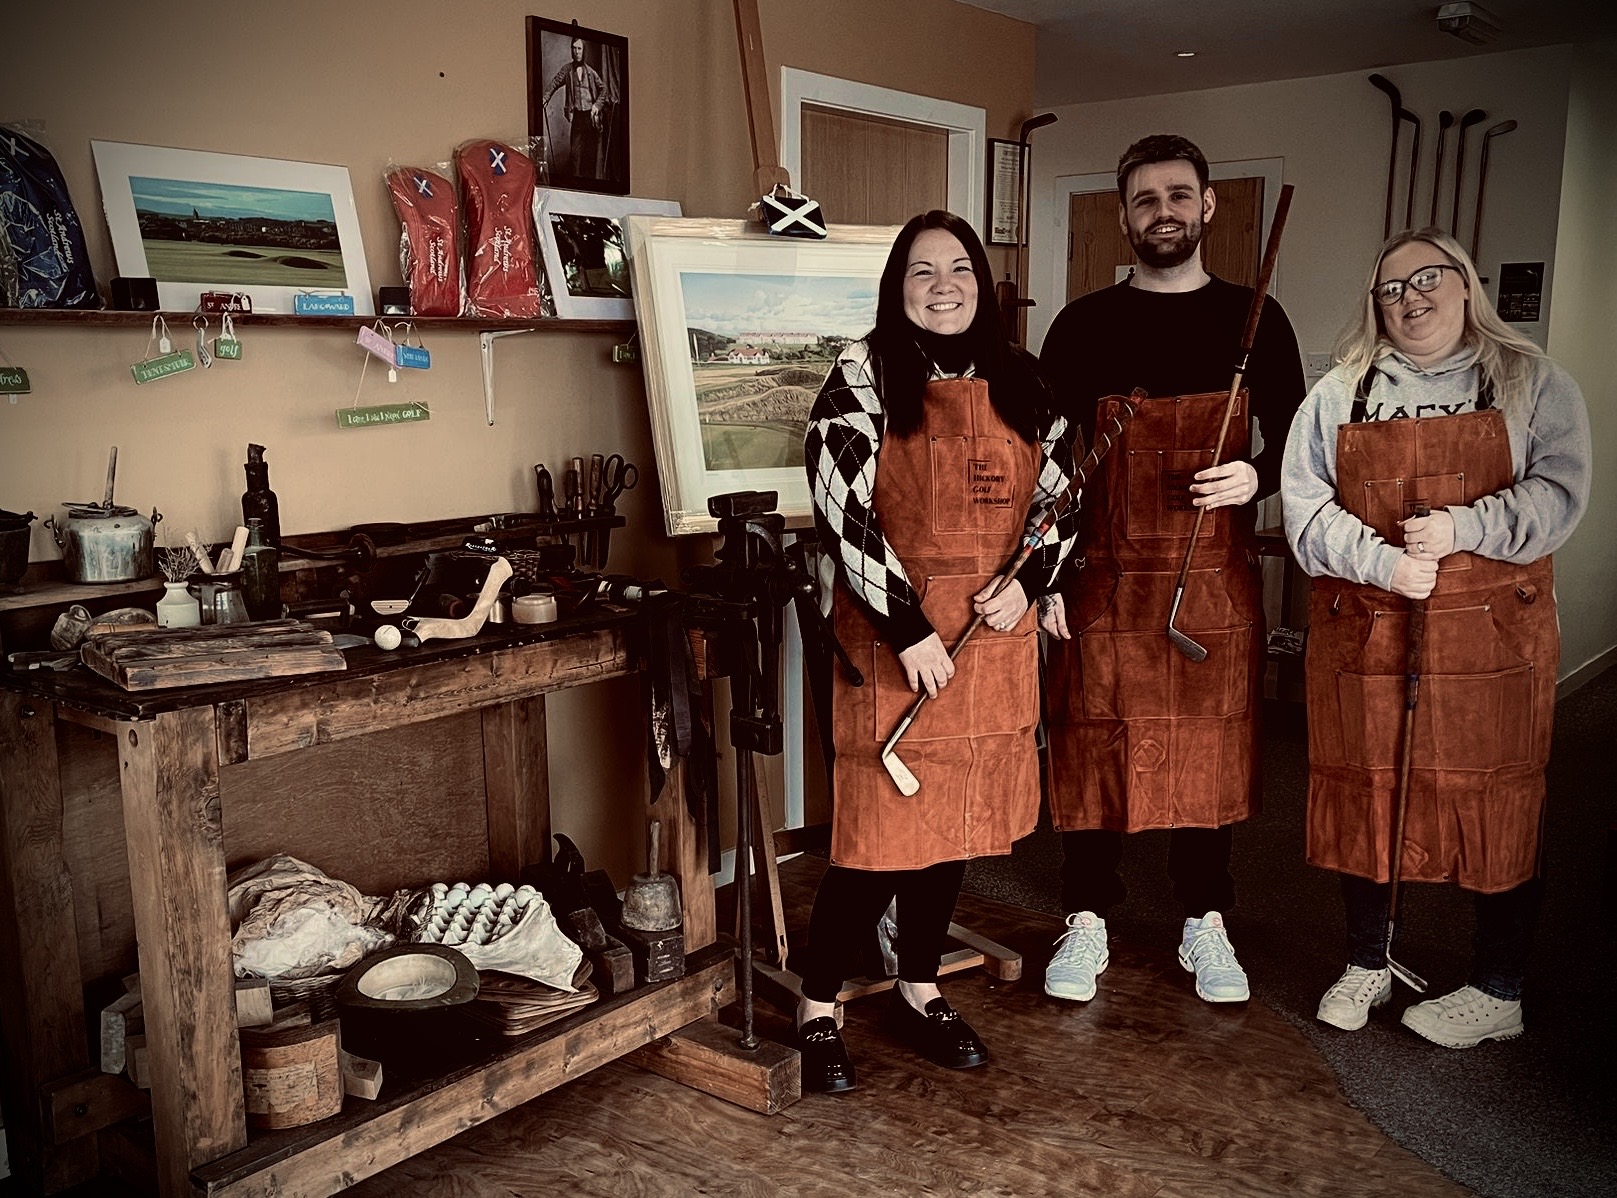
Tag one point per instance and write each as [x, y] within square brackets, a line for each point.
[1175, 343]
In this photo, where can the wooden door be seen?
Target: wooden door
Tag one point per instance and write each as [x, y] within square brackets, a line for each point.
[867, 170]
[1097, 246]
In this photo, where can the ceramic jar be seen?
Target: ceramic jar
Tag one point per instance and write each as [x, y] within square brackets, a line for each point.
[178, 608]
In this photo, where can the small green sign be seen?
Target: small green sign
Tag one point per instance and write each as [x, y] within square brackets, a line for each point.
[152, 369]
[392, 413]
[227, 347]
[14, 381]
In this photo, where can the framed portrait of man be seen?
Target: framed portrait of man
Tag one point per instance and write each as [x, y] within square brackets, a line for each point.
[578, 104]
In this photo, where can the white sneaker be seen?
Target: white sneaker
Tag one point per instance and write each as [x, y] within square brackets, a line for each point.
[1465, 1018]
[1347, 1004]
[1205, 951]
[1080, 958]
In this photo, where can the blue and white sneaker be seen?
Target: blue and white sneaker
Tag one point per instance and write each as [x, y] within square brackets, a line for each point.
[1079, 959]
[1205, 950]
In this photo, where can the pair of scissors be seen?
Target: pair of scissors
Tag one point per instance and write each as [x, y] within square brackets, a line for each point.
[618, 476]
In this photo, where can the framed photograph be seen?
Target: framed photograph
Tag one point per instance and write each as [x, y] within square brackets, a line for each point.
[738, 329]
[578, 104]
[586, 258]
[1004, 191]
[197, 221]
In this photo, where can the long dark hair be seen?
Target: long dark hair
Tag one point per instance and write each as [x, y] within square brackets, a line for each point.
[902, 368]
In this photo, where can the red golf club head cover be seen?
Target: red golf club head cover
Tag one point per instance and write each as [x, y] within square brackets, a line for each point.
[428, 211]
[502, 278]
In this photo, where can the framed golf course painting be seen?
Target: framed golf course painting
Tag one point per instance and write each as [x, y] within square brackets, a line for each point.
[198, 221]
[738, 329]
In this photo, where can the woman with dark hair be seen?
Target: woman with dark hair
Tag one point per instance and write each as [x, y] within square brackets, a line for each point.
[930, 447]
[1427, 479]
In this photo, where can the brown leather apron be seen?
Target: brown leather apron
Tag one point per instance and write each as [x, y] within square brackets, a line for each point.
[952, 500]
[1487, 689]
[1140, 736]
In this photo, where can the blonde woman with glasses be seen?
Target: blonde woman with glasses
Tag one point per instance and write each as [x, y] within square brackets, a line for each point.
[1427, 479]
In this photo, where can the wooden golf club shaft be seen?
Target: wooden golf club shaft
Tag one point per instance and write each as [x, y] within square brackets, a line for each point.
[1414, 644]
[1259, 293]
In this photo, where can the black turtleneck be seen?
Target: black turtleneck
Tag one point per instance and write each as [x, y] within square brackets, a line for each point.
[949, 352]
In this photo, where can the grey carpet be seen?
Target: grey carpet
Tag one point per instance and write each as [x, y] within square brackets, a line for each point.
[1525, 1118]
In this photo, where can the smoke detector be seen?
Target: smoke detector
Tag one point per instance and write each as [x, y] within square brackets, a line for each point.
[1469, 22]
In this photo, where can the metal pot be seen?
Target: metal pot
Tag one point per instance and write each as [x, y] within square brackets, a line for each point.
[105, 543]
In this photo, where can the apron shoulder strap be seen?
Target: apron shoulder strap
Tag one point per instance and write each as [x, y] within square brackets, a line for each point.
[1361, 395]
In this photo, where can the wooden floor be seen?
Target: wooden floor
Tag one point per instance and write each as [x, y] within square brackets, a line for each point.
[1147, 1091]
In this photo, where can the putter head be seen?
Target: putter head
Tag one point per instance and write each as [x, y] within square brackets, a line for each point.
[908, 784]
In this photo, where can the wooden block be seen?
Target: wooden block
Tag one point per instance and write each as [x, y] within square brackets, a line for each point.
[360, 1077]
[254, 1007]
[119, 1021]
[83, 1103]
[211, 653]
[658, 956]
[138, 1062]
[708, 1056]
[611, 962]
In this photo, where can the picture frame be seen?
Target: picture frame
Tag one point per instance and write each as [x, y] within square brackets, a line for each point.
[585, 148]
[737, 331]
[269, 227]
[586, 255]
[1003, 214]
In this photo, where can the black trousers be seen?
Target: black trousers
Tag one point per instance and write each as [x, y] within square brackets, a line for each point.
[1198, 864]
[842, 927]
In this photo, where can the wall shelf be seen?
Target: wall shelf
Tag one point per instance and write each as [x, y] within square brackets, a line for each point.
[109, 317]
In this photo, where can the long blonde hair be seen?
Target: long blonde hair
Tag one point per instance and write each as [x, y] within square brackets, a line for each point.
[1505, 358]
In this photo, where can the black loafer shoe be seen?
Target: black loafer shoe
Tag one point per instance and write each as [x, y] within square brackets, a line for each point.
[825, 1063]
[941, 1035]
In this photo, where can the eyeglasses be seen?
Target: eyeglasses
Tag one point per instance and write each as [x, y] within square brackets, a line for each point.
[1427, 278]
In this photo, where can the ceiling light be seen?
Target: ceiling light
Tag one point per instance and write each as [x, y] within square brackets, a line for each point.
[1469, 22]
[1184, 54]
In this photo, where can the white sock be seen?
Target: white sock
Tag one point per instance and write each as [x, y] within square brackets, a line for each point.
[808, 1010]
[918, 994]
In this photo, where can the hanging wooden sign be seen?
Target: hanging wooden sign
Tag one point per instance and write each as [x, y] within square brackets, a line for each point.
[382, 414]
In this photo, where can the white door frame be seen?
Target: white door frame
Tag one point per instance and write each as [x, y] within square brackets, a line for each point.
[965, 125]
[1064, 187]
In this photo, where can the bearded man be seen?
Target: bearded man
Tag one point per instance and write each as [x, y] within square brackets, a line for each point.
[1139, 736]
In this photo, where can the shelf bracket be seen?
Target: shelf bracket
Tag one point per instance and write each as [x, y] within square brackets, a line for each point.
[485, 345]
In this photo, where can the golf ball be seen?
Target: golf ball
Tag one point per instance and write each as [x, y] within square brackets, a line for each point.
[388, 637]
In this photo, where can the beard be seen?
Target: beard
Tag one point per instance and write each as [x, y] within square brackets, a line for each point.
[1163, 254]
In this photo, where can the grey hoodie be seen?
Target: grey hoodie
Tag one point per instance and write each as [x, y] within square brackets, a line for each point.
[1549, 449]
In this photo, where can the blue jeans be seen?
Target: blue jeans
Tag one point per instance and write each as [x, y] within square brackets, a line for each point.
[1503, 938]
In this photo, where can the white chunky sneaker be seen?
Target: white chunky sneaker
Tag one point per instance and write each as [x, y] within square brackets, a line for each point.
[1347, 1004]
[1465, 1018]
[1080, 957]
[1205, 951]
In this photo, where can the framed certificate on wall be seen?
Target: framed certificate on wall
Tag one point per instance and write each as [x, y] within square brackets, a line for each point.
[1004, 191]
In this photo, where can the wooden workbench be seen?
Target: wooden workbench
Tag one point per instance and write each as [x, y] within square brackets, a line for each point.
[119, 813]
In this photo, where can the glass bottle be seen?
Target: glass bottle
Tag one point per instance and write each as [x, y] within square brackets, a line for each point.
[258, 500]
[261, 574]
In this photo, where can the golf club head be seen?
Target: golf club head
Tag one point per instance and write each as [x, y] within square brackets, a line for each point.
[1382, 83]
[1445, 119]
[908, 784]
[1185, 645]
[1409, 978]
[1496, 130]
[1178, 639]
[1471, 118]
[1037, 122]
